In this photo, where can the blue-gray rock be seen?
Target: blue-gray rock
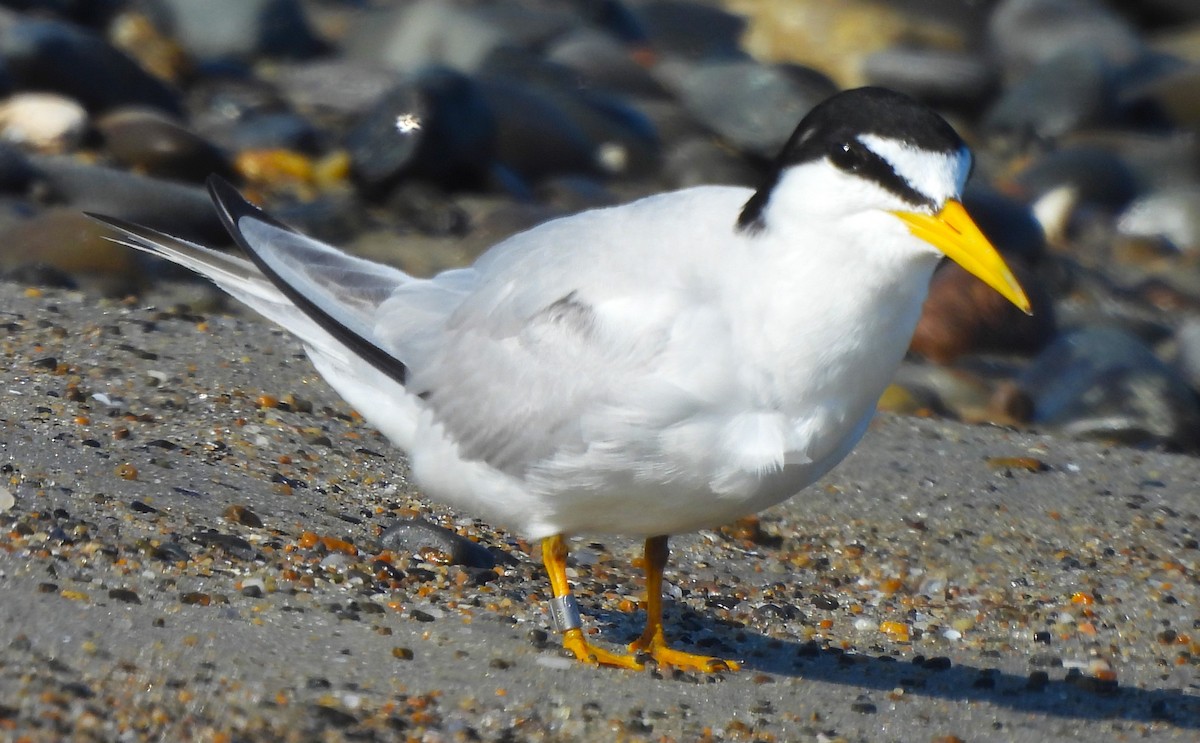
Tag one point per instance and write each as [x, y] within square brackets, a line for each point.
[961, 79]
[448, 136]
[752, 106]
[699, 161]
[222, 104]
[1026, 33]
[1187, 359]
[582, 130]
[176, 208]
[67, 59]
[237, 29]
[534, 137]
[574, 193]
[339, 86]
[458, 35]
[604, 63]
[427, 209]
[692, 29]
[417, 535]
[16, 172]
[612, 17]
[334, 217]
[1103, 383]
[1059, 96]
[625, 140]
[274, 130]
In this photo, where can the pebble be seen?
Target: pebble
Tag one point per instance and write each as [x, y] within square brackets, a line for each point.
[124, 595]
[416, 536]
[460, 36]
[7, 500]
[69, 249]
[242, 515]
[1172, 214]
[1104, 383]
[16, 171]
[157, 145]
[231, 544]
[42, 122]
[555, 662]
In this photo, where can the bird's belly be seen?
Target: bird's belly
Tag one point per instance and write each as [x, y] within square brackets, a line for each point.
[650, 509]
[681, 494]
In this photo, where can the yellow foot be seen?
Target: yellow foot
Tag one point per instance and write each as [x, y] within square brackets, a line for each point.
[574, 641]
[657, 649]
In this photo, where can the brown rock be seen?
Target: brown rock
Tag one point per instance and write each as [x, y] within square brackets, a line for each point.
[963, 315]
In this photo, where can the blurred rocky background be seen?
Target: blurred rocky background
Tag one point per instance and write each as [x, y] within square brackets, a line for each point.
[420, 132]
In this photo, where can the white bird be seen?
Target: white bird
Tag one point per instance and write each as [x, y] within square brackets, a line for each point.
[659, 367]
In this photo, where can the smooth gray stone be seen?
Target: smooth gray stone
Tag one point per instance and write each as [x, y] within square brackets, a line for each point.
[754, 107]
[1103, 383]
[179, 209]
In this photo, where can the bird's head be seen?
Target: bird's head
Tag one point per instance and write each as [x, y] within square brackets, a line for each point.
[873, 150]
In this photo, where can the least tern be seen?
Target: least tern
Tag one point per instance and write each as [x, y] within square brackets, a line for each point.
[659, 367]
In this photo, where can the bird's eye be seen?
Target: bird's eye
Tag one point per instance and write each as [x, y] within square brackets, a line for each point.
[848, 156]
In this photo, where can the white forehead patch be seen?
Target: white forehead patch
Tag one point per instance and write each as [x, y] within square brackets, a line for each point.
[938, 175]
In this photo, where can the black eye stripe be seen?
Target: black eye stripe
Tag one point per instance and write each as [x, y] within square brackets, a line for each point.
[868, 164]
[849, 156]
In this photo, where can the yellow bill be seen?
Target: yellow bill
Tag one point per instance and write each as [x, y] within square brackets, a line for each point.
[953, 232]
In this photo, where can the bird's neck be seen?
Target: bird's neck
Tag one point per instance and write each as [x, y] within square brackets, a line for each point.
[818, 313]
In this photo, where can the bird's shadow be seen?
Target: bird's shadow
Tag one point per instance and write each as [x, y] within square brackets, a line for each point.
[1058, 692]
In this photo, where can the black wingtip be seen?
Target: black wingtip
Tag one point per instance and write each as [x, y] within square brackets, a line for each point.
[232, 207]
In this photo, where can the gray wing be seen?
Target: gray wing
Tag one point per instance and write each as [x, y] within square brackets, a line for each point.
[543, 346]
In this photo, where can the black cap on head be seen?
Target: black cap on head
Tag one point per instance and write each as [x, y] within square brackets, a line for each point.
[832, 129]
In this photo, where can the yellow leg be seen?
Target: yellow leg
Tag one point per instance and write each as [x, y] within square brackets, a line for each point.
[554, 555]
[652, 641]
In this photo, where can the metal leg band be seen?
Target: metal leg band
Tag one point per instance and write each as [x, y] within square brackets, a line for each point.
[564, 613]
